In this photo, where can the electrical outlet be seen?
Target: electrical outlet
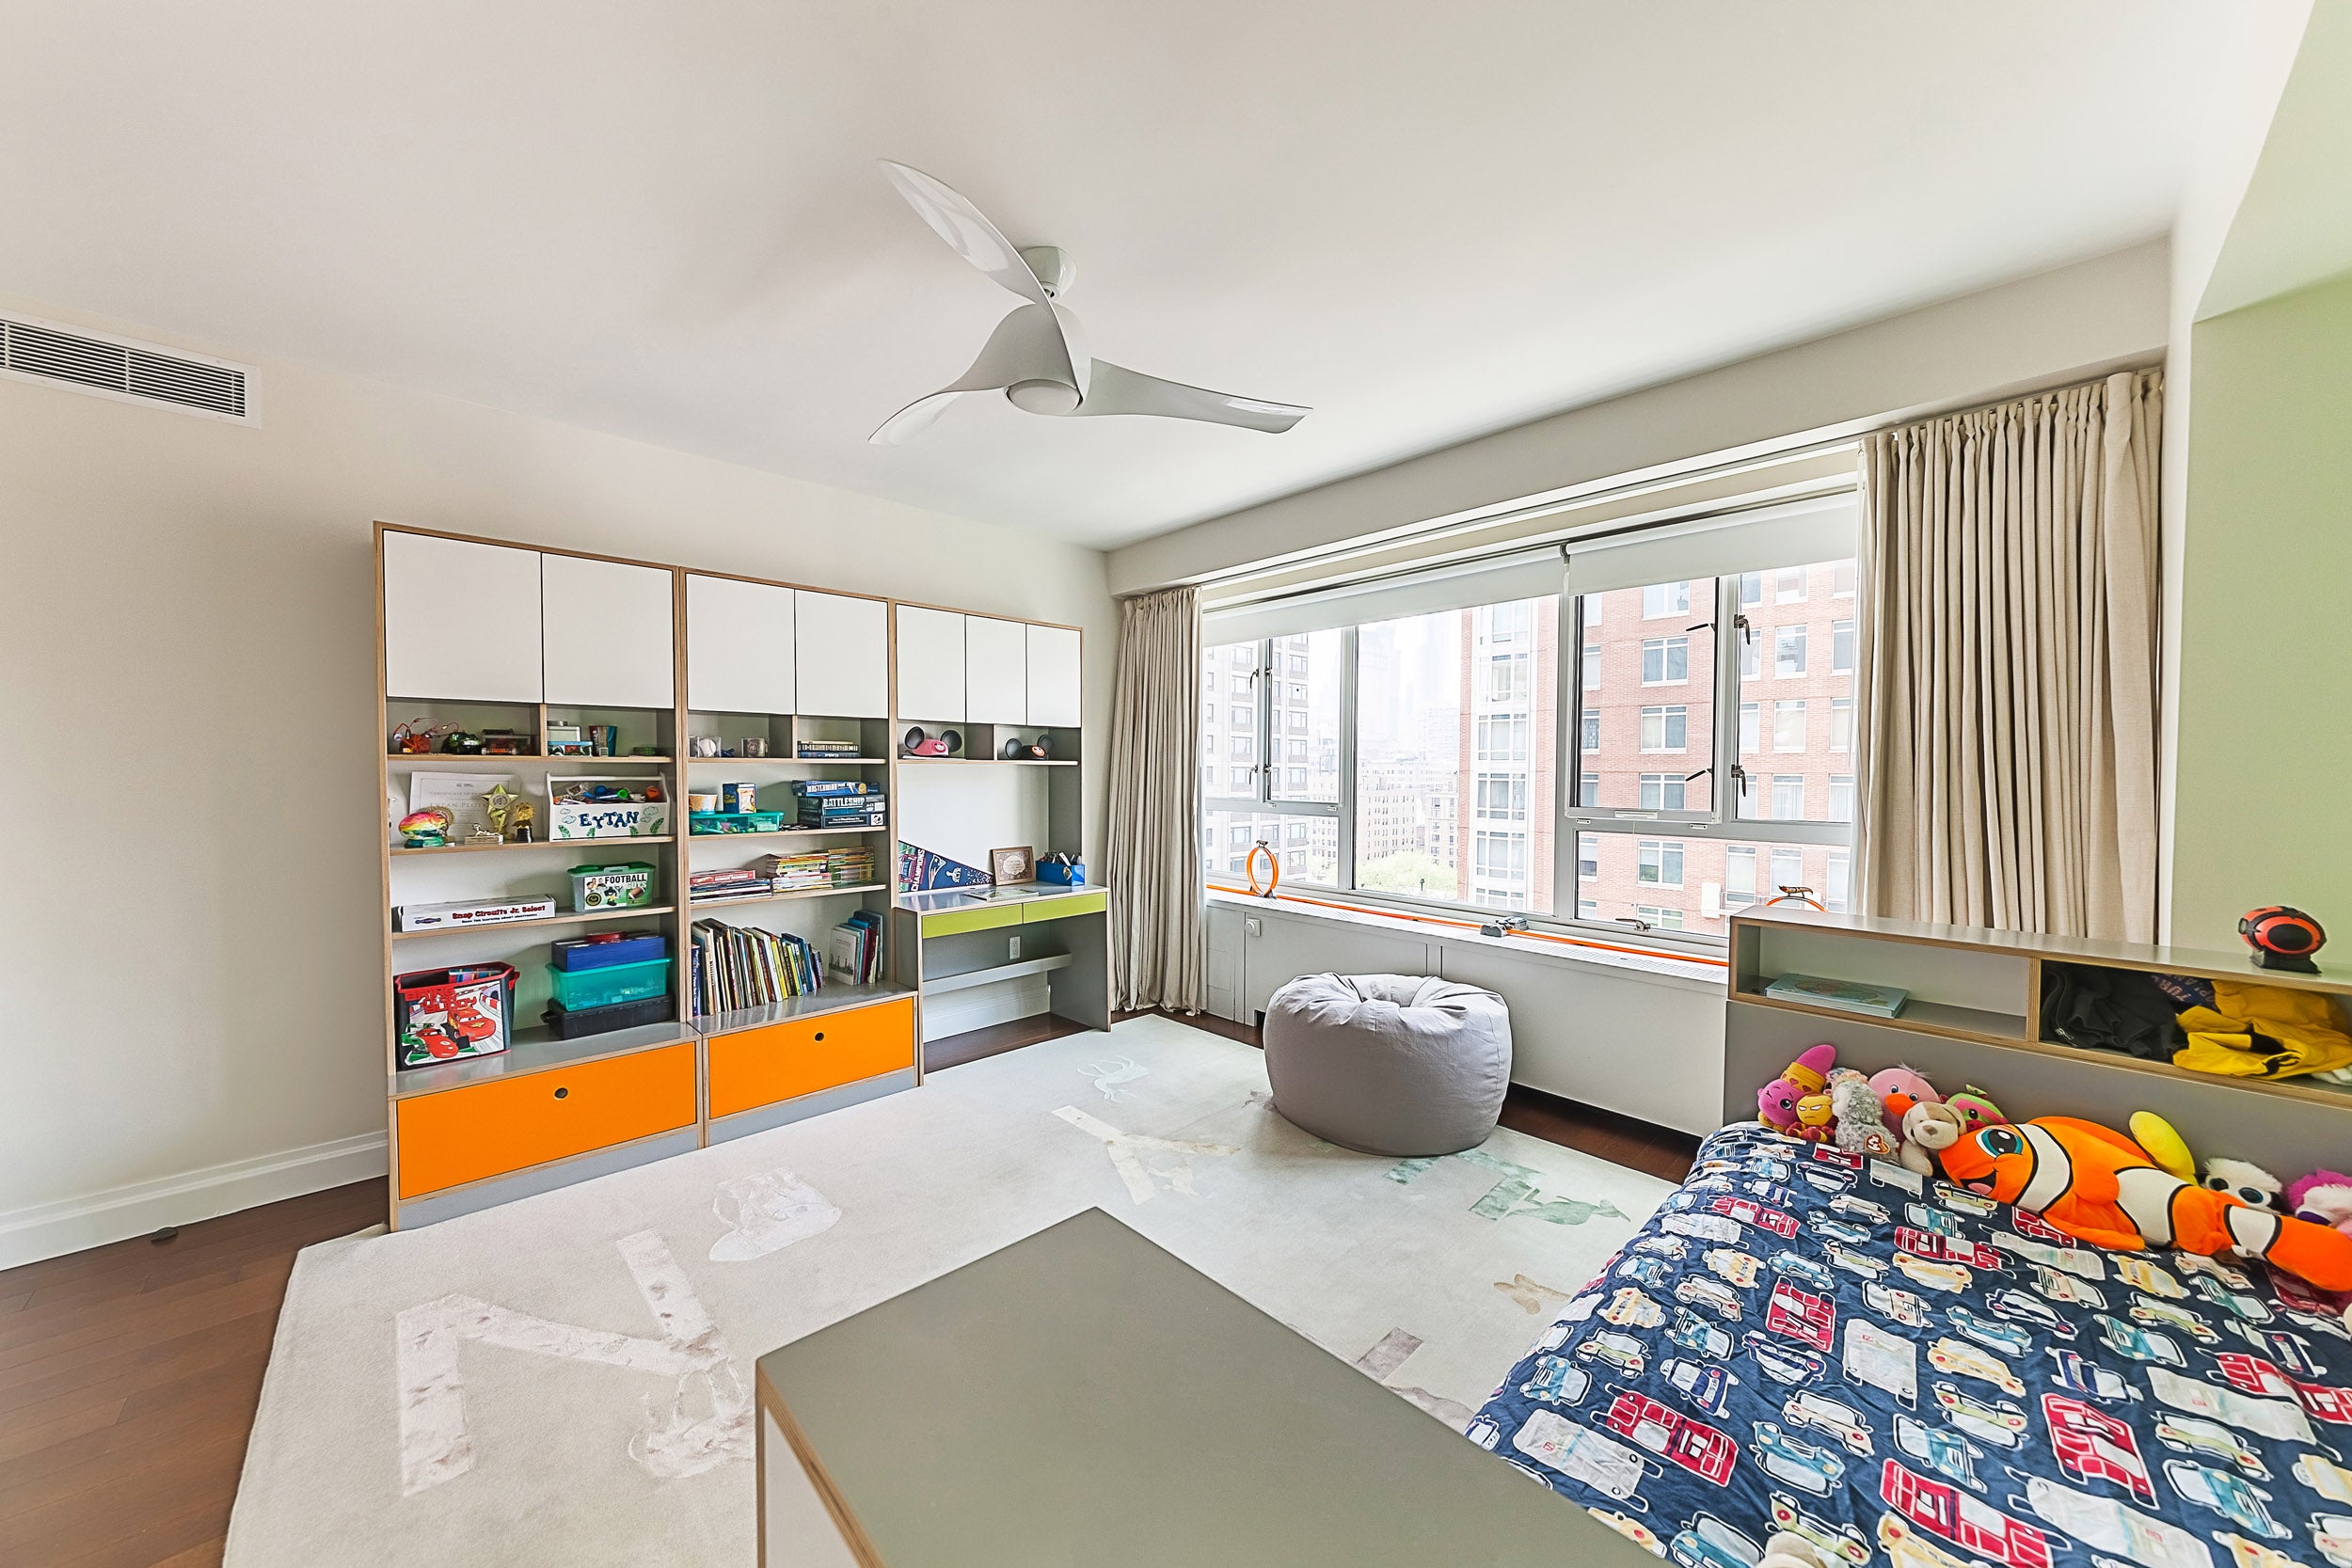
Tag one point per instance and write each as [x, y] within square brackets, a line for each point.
[1016, 949]
[1252, 925]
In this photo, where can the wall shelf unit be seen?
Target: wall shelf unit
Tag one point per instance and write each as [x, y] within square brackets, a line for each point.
[489, 635]
[1974, 1015]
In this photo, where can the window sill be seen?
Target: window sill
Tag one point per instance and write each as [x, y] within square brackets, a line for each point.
[1680, 970]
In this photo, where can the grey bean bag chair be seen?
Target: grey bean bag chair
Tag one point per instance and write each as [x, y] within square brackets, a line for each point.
[1389, 1064]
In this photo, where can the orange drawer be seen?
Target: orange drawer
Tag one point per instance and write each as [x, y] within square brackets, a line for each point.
[490, 1129]
[759, 1067]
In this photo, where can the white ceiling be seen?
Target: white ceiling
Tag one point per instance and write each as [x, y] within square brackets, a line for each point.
[1429, 221]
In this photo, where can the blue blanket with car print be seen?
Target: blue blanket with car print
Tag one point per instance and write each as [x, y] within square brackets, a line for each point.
[1890, 1366]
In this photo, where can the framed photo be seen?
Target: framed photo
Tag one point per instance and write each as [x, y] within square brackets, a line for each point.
[1009, 867]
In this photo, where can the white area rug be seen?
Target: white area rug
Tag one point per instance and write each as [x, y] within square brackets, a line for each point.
[566, 1380]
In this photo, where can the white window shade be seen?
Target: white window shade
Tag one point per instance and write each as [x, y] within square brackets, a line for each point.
[1797, 533]
[1497, 580]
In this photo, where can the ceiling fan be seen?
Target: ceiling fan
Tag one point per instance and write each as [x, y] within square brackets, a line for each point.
[1038, 356]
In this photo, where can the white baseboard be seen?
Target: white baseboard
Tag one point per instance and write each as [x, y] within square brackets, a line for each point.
[1002, 1003]
[53, 1229]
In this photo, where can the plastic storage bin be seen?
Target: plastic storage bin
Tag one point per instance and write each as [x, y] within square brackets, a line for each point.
[566, 1024]
[604, 951]
[577, 988]
[622, 885]
[448, 1015]
[706, 822]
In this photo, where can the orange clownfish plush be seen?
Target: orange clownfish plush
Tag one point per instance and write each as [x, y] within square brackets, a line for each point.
[2099, 1186]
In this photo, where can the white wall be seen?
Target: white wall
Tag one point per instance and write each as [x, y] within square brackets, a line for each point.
[2035, 332]
[189, 956]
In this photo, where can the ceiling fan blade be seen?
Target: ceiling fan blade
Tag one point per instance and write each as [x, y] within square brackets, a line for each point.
[914, 419]
[966, 228]
[1027, 347]
[1115, 389]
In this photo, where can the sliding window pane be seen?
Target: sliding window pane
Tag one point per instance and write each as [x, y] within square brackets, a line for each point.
[1796, 664]
[1648, 715]
[1628, 876]
[1229, 723]
[1454, 743]
[1308, 848]
[1306, 701]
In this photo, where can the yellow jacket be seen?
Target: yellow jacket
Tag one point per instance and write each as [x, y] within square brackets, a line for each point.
[2263, 1032]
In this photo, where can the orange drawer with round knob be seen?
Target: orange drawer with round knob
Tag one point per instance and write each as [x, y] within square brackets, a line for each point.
[510, 1123]
[783, 1061]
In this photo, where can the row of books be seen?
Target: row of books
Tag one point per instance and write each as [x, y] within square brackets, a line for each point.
[852, 866]
[822, 751]
[743, 966]
[857, 948]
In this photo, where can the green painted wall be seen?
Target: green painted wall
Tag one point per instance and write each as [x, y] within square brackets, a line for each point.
[2266, 686]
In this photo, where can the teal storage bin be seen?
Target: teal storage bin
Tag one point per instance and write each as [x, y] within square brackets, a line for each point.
[577, 989]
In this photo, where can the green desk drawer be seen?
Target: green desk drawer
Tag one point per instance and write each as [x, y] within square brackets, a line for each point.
[1062, 908]
[948, 922]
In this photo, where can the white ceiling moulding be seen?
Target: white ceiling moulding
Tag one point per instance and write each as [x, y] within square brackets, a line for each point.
[51, 354]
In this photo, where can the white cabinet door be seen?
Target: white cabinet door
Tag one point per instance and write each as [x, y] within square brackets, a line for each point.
[930, 665]
[995, 672]
[609, 633]
[842, 648]
[461, 619]
[739, 646]
[1054, 677]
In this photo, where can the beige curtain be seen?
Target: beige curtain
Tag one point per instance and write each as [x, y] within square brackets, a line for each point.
[1153, 840]
[2008, 665]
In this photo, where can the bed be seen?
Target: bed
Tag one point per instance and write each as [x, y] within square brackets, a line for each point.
[1896, 1369]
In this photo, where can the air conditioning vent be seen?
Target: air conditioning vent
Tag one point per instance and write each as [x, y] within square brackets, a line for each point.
[119, 368]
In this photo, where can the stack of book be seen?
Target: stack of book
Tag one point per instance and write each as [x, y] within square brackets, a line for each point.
[703, 887]
[856, 951]
[794, 873]
[827, 751]
[1845, 996]
[743, 966]
[838, 803]
[850, 867]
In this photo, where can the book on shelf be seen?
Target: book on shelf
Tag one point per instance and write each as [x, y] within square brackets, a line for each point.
[1845, 996]
[832, 789]
[820, 751]
[744, 966]
[855, 951]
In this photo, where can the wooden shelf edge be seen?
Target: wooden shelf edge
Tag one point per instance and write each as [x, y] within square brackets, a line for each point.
[517, 756]
[835, 998]
[1907, 1021]
[534, 844]
[805, 762]
[789, 832]
[522, 1058]
[694, 903]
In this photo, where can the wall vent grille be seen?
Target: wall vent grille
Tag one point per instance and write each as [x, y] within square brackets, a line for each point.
[120, 367]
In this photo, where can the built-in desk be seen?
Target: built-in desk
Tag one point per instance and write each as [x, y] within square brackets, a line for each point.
[950, 942]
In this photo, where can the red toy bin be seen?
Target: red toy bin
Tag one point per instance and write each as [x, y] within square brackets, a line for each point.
[452, 1015]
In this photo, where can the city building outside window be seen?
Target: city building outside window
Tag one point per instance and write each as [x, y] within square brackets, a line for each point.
[1788, 652]
[1665, 729]
[1665, 661]
[1751, 726]
[1662, 791]
[1789, 724]
[1665, 599]
[1658, 863]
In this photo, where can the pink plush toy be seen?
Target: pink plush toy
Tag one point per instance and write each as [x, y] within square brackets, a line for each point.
[2324, 1197]
[1975, 1109]
[1900, 1088]
[1776, 1101]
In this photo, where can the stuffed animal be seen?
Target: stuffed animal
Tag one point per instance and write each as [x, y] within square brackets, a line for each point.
[1776, 1101]
[1975, 1109]
[1900, 1088]
[2244, 1180]
[2098, 1186]
[2166, 1147]
[1860, 1118]
[1815, 1116]
[1928, 1127]
[2323, 1197]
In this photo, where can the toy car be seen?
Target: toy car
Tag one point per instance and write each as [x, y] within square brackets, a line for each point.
[2140, 1345]
[2019, 1307]
[1580, 1454]
[2290, 1350]
[1947, 1453]
[1893, 1301]
[1965, 1201]
[1825, 1181]
[2093, 1448]
[2197, 1262]
[1652, 1272]
[1713, 1294]
[1704, 1384]
[1804, 1465]
[1663, 1246]
[2241, 1502]
[2330, 1480]
[1700, 1449]
[1557, 1379]
[2088, 1378]
[1708, 1543]
[1797, 1267]
[1621, 1351]
[1935, 1277]
[2140, 1275]
[1995, 1420]
[1834, 1542]
[1838, 1230]
[1485, 1432]
[2147, 1309]
[1846, 1257]
[2332, 1537]
[1834, 1416]
[1738, 1267]
[1859, 1208]
[2006, 1338]
[1925, 1218]
[1962, 1359]
[1706, 1227]
[2066, 1287]
[1773, 1168]
[2236, 1303]
[2209, 1440]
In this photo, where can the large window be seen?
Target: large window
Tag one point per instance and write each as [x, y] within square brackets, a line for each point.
[1711, 718]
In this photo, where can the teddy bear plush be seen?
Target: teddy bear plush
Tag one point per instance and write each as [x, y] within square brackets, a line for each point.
[1929, 1129]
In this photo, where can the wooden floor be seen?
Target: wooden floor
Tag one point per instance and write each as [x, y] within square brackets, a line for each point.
[129, 1374]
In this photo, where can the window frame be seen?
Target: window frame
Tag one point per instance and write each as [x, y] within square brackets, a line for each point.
[1262, 677]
